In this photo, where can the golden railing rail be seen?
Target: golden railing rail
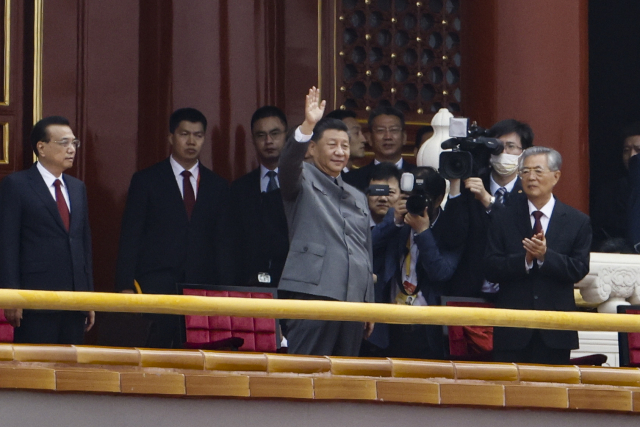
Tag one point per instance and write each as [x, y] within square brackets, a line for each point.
[320, 310]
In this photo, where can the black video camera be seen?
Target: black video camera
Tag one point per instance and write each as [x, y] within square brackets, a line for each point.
[472, 147]
[419, 199]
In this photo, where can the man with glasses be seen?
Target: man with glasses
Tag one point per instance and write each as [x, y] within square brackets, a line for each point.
[388, 136]
[537, 249]
[45, 240]
[261, 236]
[357, 139]
[469, 208]
[175, 226]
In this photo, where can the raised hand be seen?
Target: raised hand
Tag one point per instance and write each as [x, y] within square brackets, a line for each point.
[313, 111]
[476, 186]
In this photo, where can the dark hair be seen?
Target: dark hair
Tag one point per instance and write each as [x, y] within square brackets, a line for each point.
[269, 111]
[508, 126]
[327, 123]
[615, 245]
[186, 114]
[420, 135]
[386, 110]
[39, 131]
[434, 183]
[341, 114]
[630, 130]
[384, 171]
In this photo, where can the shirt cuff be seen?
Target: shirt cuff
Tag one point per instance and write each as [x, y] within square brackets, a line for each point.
[301, 137]
[529, 265]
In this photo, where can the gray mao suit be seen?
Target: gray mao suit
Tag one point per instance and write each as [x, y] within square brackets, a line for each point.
[330, 255]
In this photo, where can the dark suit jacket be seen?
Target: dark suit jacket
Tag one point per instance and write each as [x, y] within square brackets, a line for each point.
[260, 231]
[549, 287]
[634, 203]
[160, 246]
[330, 254]
[36, 250]
[468, 223]
[360, 178]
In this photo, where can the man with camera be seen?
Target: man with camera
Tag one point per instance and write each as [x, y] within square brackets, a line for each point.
[492, 183]
[388, 136]
[415, 266]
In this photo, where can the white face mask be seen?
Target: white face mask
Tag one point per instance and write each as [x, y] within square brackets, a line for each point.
[505, 164]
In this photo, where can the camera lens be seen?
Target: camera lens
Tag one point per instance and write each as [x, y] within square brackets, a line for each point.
[455, 164]
[416, 204]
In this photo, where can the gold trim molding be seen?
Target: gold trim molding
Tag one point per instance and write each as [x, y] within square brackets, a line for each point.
[37, 59]
[7, 53]
[5, 144]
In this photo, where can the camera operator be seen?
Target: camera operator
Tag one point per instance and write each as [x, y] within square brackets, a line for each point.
[415, 267]
[469, 208]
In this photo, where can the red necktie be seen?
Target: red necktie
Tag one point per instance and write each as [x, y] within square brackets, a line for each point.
[537, 225]
[62, 204]
[188, 195]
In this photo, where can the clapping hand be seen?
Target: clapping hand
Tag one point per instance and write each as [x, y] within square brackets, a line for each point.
[536, 248]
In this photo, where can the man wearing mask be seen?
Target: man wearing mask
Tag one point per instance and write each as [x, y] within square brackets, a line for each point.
[471, 205]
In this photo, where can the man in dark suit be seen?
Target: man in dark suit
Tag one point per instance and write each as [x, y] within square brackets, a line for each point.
[330, 251]
[468, 211]
[538, 249]
[388, 136]
[261, 236]
[45, 240]
[175, 224]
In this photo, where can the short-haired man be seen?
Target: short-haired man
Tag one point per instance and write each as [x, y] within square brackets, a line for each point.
[384, 174]
[357, 139]
[45, 240]
[538, 249]
[469, 211]
[416, 265]
[175, 224]
[261, 236]
[424, 133]
[330, 251]
[388, 136]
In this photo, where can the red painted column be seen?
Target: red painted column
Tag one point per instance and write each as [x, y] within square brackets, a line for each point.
[529, 61]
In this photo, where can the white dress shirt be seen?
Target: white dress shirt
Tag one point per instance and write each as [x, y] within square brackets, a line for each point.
[399, 163]
[49, 179]
[494, 186]
[546, 210]
[177, 171]
[264, 179]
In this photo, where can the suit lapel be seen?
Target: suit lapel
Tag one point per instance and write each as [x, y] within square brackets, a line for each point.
[173, 191]
[75, 200]
[523, 218]
[556, 223]
[40, 188]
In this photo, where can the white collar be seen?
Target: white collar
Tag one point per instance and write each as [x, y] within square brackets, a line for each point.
[494, 186]
[546, 209]
[177, 169]
[48, 177]
[399, 163]
[264, 170]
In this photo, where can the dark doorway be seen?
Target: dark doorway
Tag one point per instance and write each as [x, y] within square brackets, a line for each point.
[614, 101]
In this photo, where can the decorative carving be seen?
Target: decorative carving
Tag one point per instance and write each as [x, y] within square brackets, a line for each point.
[611, 281]
[412, 47]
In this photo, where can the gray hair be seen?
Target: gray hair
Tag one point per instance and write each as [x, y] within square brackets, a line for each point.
[554, 159]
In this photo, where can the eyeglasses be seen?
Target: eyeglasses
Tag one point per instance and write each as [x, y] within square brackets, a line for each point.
[274, 134]
[512, 146]
[535, 171]
[66, 142]
[392, 131]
